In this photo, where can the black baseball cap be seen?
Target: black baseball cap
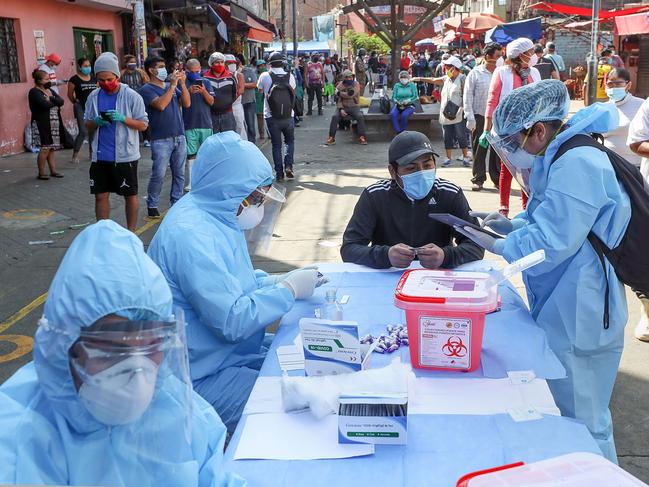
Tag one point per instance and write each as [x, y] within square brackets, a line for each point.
[408, 146]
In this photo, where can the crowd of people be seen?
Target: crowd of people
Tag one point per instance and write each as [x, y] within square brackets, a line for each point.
[110, 382]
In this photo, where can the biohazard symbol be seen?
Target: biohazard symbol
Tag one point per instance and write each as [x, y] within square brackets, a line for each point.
[454, 347]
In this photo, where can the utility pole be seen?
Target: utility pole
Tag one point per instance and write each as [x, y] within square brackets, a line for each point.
[283, 27]
[139, 32]
[294, 19]
[592, 57]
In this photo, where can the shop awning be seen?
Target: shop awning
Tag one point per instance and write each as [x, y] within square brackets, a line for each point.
[505, 33]
[303, 47]
[256, 31]
[632, 24]
[585, 12]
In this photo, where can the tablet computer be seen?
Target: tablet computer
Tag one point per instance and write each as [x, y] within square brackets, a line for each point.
[452, 221]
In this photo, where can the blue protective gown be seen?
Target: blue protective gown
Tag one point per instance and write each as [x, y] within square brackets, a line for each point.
[46, 434]
[577, 194]
[203, 254]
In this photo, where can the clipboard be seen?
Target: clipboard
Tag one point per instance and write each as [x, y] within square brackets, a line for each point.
[452, 221]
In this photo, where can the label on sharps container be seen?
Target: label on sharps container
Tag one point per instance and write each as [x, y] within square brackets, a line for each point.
[445, 342]
[330, 347]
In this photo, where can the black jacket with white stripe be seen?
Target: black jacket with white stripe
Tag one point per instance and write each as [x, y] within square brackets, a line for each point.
[384, 216]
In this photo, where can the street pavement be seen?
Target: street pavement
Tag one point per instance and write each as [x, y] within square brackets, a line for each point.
[309, 229]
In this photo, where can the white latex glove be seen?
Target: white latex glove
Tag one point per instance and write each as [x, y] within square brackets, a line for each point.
[494, 220]
[470, 124]
[301, 283]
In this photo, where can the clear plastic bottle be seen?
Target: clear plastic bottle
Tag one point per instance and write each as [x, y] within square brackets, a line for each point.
[331, 310]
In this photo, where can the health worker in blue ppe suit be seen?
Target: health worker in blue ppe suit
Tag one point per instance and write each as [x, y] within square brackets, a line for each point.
[576, 194]
[201, 250]
[107, 400]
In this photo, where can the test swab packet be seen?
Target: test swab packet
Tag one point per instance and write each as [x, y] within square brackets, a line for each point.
[378, 419]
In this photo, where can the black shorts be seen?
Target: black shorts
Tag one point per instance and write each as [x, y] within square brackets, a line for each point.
[111, 177]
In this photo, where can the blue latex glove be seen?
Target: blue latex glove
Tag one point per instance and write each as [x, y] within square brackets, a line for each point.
[494, 220]
[480, 238]
[100, 122]
[115, 116]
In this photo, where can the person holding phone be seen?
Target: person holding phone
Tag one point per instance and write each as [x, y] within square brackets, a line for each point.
[115, 116]
[197, 117]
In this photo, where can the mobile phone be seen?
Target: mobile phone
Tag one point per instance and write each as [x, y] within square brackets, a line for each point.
[452, 221]
[105, 116]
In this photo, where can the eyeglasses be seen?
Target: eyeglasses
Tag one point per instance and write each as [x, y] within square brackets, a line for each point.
[618, 83]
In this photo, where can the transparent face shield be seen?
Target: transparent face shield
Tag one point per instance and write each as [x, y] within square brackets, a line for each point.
[514, 157]
[264, 204]
[135, 375]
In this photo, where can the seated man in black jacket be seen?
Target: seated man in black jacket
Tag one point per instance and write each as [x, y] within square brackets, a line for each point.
[390, 226]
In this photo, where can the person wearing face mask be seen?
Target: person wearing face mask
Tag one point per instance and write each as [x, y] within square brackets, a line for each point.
[202, 251]
[79, 87]
[348, 107]
[163, 100]
[107, 399]
[49, 66]
[45, 106]
[519, 72]
[451, 115]
[604, 67]
[404, 95]
[131, 75]
[232, 65]
[476, 90]
[197, 118]
[570, 197]
[226, 91]
[390, 226]
[114, 115]
[259, 100]
[618, 90]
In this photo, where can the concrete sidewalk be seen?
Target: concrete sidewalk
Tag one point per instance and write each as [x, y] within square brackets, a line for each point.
[309, 229]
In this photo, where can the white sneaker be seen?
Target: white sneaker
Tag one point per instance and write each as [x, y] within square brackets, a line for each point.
[466, 162]
[641, 331]
[188, 189]
[446, 163]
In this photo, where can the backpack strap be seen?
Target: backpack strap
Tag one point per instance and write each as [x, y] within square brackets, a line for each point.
[600, 248]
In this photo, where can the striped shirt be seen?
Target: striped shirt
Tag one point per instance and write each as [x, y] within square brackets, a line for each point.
[476, 92]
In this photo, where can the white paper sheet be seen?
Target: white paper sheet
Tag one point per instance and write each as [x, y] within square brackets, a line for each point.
[477, 396]
[266, 396]
[291, 357]
[294, 437]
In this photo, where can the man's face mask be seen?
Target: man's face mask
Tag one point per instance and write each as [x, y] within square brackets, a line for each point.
[232, 67]
[250, 216]
[418, 184]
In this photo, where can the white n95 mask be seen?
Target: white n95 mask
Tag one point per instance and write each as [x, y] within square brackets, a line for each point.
[121, 393]
[250, 217]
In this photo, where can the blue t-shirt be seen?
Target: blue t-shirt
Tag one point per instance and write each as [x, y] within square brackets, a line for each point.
[165, 123]
[106, 137]
[198, 116]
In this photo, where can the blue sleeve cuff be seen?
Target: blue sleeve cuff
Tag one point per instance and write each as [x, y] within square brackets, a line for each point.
[499, 246]
[518, 223]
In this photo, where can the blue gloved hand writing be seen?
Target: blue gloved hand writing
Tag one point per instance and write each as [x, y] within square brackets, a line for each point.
[100, 122]
[115, 116]
[494, 220]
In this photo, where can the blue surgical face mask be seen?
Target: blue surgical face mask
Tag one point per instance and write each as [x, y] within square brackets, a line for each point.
[162, 74]
[192, 77]
[616, 94]
[86, 70]
[521, 159]
[348, 82]
[418, 184]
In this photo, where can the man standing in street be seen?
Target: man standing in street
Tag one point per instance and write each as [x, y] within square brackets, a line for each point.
[250, 79]
[168, 146]
[360, 71]
[278, 88]
[51, 61]
[197, 117]
[224, 85]
[476, 90]
[116, 114]
[545, 64]
[314, 83]
[558, 60]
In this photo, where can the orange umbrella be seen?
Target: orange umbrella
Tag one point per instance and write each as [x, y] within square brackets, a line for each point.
[474, 23]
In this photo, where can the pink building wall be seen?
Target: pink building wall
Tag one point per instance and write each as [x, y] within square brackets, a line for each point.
[56, 19]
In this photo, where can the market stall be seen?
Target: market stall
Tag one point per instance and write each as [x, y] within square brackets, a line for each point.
[457, 422]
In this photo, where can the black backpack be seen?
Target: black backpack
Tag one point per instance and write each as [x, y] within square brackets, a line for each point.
[629, 259]
[281, 96]
[385, 105]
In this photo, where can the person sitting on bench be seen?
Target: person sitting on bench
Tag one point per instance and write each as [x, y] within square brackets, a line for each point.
[348, 93]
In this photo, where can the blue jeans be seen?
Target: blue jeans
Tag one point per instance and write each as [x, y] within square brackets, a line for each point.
[250, 115]
[223, 122]
[276, 128]
[171, 151]
[400, 118]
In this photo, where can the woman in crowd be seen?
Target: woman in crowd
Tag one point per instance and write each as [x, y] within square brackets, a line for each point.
[519, 72]
[79, 87]
[46, 118]
[404, 94]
